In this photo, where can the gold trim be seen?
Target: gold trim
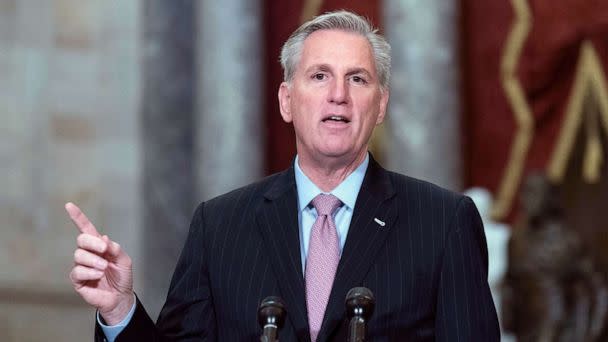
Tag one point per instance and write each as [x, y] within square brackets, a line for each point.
[593, 154]
[521, 109]
[311, 8]
[589, 79]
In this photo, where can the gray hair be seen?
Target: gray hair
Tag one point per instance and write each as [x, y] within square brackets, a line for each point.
[338, 20]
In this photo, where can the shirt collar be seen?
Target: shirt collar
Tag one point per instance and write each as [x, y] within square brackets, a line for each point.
[346, 191]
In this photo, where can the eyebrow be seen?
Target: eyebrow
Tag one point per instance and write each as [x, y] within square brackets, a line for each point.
[355, 71]
[322, 67]
[349, 72]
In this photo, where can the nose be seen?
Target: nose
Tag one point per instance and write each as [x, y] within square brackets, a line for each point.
[338, 92]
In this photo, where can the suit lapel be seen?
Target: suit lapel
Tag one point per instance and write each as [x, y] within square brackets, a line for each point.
[277, 220]
[372, 221]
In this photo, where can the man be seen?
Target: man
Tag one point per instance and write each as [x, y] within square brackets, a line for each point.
[334, 220]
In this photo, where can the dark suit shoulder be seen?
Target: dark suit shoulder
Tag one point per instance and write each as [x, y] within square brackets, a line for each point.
[424, 191]
[258, 188]
[236, 209]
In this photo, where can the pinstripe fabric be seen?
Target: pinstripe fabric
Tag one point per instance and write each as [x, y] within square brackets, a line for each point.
[427, 266]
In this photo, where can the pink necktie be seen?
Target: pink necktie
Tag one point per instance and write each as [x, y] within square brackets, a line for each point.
[322, 262]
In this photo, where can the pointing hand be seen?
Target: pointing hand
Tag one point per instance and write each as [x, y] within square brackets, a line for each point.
[102, 274]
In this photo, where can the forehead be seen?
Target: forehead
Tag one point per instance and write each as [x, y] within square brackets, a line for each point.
[337, 47]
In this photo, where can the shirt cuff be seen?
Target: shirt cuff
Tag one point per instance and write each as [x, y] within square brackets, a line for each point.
[111, 331]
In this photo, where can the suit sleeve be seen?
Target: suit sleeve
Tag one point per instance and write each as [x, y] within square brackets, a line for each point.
[188, 313]
[465, 309]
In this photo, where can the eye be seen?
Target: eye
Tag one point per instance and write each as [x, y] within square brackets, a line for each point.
[359, 79]
[319, 76]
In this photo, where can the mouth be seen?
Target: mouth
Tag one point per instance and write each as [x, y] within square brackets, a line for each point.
[336, 118]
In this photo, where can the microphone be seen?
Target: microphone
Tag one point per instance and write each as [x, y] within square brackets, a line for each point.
[360, 304]
[271, 316]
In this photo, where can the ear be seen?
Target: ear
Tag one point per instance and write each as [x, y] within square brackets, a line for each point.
[285, 102]
[384, 95]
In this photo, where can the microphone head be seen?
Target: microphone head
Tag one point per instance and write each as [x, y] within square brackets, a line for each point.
[360, 302]
[271, 311]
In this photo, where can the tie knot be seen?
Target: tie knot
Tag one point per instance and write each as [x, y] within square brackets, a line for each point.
[326, 204]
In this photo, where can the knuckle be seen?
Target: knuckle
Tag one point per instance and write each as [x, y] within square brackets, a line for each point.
[80, 255]
[80, 238]
[75, 274]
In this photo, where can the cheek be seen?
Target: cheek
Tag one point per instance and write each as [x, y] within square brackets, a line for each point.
[303, 127]
[370, 121]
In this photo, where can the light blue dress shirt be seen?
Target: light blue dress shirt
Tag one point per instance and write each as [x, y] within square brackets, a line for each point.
[111, 331]
[347, 192]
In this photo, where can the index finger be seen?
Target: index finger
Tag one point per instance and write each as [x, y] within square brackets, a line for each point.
[81, 220]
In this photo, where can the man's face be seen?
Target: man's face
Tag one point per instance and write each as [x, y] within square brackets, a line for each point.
[334, 99]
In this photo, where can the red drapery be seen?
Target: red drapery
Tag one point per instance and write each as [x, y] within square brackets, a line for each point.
[526, 63]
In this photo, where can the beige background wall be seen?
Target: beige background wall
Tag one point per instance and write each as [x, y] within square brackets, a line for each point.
[69, 102]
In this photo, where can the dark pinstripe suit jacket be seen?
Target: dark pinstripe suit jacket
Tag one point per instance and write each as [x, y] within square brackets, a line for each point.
[427, 266]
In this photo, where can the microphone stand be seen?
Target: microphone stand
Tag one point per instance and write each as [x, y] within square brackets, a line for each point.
[271, 316]
[360, 304]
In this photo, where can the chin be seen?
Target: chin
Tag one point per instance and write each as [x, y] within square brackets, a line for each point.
[337, 152]
[333, 149]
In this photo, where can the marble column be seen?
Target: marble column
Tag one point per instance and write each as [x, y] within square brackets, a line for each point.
[168, 106]
[69, 131]
[422, 134]
[229, 140]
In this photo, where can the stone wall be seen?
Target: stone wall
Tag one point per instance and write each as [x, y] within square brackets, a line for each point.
[69, 131]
